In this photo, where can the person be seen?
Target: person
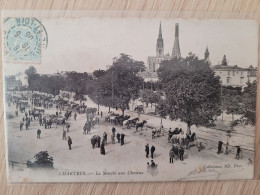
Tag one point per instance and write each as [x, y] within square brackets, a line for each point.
[85, 129]
[153, 164]
[21, 125]
[227, 144]
[122, 139]
[69, 142]
[68, 127]
[75, 116]
[27, 125]
[171, 154]
[45, 123]
[105, 138]
[113, 138]
[102, 148]
[39, 134]
[220, 147]
[238, 152]
[57, 114]
[153, 134]
[147, 150]
[16, 112]
[114, 130]
[199, 144]
[64, 135]
[181, 152]
[98, 141]
[118, 137]
[152, 151]
[101, 114]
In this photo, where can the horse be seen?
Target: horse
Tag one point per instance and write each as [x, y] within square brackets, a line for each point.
[176, 131]
[35, 115]
[141, 124]
[95, 141]
[156, 132]
[118, 120]
[131, 122]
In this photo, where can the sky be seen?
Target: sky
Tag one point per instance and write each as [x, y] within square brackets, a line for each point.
[87, 44]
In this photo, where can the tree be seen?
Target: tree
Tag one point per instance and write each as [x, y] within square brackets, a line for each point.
[232, 104]
[224, 61]
[120, 83]
[150, 97]
[145, 96]
[32, 76]
[249, 103]
[98, 73]
[162, 109]
[126, 83]
[77, 83]
[192, 91]
[43, 160]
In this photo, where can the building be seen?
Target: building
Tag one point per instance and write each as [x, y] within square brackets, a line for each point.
[235, 76]
[229, 75]
[11, 83]
[154, 61]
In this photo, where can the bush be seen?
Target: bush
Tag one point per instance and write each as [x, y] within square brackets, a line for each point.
[43, 160]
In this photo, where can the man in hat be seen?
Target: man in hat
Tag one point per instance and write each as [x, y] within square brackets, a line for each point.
[69, 142]
[118, 137]
[152, 150]
[181, 152]
[39, 134]
[122, 139]
[147, 150]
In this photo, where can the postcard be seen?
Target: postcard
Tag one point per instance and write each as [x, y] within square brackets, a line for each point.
[128, 99]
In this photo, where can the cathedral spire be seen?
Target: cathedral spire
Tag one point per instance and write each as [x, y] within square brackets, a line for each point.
[160, 32]
[206, 56]
[176, 47]
[159, 45]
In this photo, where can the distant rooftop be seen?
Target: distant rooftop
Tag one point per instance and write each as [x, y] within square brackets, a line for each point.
[234, 67]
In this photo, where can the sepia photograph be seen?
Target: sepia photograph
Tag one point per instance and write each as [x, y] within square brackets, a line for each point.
[93, 99]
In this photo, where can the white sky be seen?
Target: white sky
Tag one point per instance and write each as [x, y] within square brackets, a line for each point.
[86, 44]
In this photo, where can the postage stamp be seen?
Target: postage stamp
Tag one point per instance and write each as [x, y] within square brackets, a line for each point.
[24, 39]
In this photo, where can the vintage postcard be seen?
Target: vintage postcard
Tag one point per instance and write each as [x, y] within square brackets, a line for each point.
[110, 99]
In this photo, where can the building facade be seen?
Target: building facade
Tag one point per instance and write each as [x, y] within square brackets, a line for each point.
[235, 76]
[229, 75]
[154, 61]
[11, 83]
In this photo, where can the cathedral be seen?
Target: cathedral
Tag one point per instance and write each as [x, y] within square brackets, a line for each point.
[154, 61]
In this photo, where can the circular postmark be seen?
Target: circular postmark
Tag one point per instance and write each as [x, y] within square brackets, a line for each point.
[24, 39]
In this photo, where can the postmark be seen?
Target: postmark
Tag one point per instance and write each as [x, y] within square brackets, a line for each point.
[24, 39]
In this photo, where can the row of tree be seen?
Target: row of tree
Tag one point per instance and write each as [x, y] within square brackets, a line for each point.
[188, 89]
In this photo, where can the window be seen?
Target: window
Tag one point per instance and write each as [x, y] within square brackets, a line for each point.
[241, 80]
[228, 73]
[228, 79]
[233, 73]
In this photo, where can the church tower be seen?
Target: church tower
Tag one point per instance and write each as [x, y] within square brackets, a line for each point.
[176, 53]
[206, 56]
[159, 45]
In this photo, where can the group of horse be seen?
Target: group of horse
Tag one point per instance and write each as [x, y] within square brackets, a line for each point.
[177, 136]
[116, 119]
[125, 120]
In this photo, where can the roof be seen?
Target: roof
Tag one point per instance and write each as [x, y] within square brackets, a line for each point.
[231, 68]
